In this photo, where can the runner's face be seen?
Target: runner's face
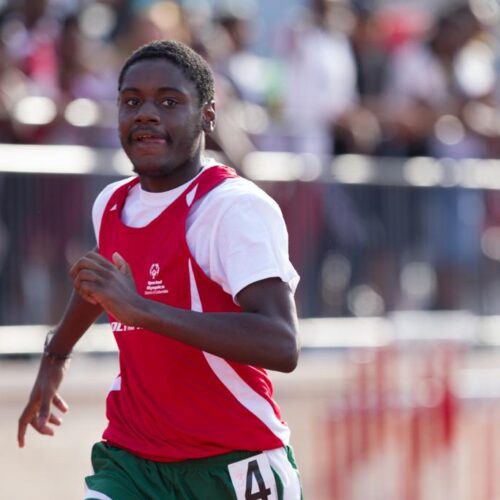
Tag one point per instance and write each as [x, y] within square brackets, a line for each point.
[160, 123]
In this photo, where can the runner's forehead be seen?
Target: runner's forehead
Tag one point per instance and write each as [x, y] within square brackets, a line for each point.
[157, 74]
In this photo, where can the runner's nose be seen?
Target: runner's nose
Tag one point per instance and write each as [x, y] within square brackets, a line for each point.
[147, 113]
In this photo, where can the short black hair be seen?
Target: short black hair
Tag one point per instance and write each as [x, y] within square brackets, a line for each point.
[194, 67]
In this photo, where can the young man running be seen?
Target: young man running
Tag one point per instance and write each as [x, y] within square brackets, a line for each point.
[192, 269]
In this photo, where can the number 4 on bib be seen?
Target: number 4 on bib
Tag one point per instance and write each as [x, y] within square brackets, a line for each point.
[253, 479]
[253, 471]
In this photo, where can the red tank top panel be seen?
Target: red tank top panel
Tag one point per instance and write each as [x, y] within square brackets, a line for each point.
[171, 401]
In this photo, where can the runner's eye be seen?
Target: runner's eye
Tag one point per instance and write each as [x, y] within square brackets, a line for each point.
[169, 102]
[131, 101]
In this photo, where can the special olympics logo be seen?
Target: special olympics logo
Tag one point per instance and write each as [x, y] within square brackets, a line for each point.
[154, 270]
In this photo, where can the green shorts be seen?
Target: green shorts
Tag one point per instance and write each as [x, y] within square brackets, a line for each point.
[240, 475]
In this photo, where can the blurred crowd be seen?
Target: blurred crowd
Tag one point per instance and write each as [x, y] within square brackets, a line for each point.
[323, 77]
[344, 76]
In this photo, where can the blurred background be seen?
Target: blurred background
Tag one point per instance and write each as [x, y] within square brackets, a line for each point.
[375, 125]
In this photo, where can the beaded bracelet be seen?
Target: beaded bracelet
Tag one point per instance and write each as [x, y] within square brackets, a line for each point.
[53, 356]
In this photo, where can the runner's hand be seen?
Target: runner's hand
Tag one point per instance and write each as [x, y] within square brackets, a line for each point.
[109, 284]
[38, 412]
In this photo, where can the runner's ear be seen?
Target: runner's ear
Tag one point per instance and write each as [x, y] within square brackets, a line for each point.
[208, 117]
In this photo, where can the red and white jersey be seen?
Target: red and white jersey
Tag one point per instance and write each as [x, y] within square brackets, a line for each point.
[173, 402]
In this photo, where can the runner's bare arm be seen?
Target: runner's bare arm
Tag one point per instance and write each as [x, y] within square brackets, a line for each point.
[77, 318]
[263, 335]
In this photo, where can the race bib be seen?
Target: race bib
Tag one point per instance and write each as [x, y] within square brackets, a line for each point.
[253, 479]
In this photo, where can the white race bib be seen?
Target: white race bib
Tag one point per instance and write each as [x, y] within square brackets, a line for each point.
[253, 479]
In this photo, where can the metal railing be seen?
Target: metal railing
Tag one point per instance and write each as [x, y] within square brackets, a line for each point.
[368, 236]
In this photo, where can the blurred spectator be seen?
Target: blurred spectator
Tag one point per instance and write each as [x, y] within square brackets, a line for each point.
[244, 82]
[30, 32]
[86, 99]
[424, 84]
[321, 76]
[236, 62]
[150, 21]
[358, 129]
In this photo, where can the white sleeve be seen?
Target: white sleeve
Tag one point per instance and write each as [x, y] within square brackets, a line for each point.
[250, 243]
[100, 204]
